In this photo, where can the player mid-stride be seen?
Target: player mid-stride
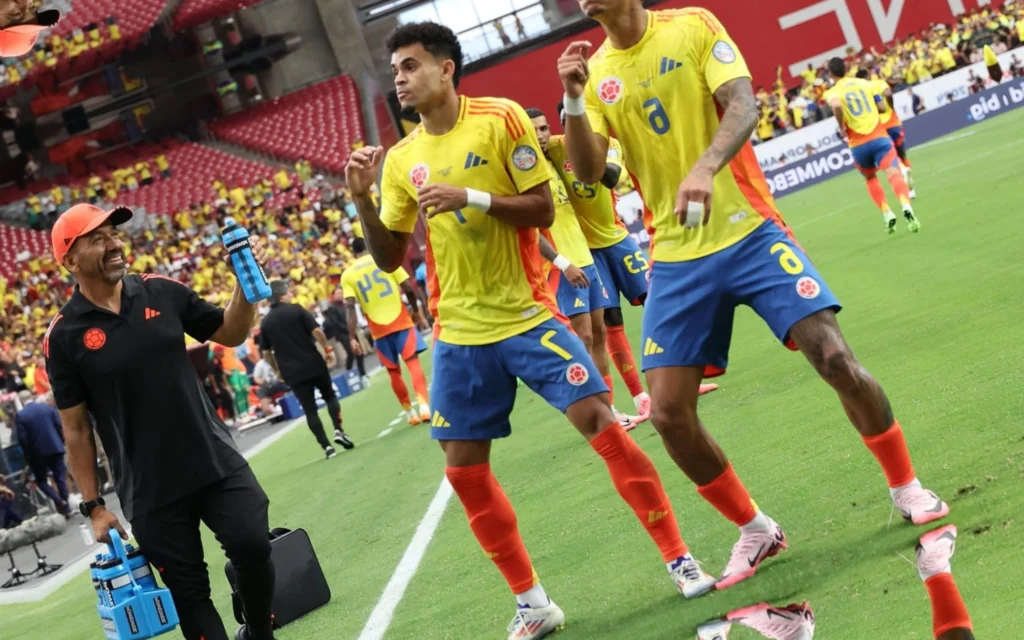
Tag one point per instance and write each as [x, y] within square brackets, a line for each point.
[395, 338]
[473, 169]
[855, 103]
[677, 92]
[893, 125]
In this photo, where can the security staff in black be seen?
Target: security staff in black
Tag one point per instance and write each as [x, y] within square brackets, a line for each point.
[288, 339]
[117, 351]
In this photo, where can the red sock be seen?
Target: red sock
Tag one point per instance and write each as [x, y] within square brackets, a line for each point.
[727, 494]
[611, 388]
[398, 386]
[493, 522]
[419, 381]
[637, 481]
[891, 451]
[899, 187]
[622, 355]
[877, 193]
[948, 609]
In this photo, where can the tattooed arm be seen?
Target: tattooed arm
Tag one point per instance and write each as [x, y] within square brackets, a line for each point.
[738, 121]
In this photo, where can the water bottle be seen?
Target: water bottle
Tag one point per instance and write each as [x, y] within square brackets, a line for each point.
[130, 603]
[250, 274]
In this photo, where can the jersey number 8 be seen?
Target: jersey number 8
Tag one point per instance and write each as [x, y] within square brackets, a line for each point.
[365, 286]
[657, 116]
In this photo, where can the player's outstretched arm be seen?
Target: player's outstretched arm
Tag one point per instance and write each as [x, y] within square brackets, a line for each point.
[739, 119]
[588, 151]
[386, 246]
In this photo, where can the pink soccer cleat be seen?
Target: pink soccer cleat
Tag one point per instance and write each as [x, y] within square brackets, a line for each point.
[748, 554]
[934, 551]
[795, 622]
[918, 505]
[707, 388]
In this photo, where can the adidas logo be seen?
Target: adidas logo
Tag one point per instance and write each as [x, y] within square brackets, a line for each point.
[438, 421]
[491, 556]
[654, 516]
[579, 303]
[473, 160]
[151, 313]
[651, 348]
[668, 64]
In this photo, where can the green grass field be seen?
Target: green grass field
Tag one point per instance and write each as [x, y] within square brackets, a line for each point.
[937, 317]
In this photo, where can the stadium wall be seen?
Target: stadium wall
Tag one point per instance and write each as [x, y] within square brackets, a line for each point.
[790, 33]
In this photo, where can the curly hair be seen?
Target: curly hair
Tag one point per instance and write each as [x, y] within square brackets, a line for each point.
[440, 41]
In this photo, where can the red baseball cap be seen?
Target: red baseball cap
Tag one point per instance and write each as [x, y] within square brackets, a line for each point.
[19, 39]
[80, 220]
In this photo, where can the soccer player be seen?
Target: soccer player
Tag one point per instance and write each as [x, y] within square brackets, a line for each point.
[893, 125]
[495, 318]
[677, 92]
[950, 619]
[577, 285]
[855, 104]
[394, 336]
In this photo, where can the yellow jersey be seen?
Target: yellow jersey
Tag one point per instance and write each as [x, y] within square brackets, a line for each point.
[889, 118]
[594, 203]
[856, 98]
[379, 294]
[566, 235]
[658, 96]
[485, 276]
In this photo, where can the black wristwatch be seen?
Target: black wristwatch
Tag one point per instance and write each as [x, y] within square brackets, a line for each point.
[87, 507]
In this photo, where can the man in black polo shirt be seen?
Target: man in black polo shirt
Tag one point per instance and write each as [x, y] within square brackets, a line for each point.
[289, 336]
[117, 351]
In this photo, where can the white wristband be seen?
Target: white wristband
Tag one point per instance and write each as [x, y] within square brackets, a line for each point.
[574, 106]
[694, 214]
[561, 262]
[478, 199]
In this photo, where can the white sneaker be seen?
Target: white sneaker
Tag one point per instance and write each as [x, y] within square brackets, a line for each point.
[934, 551]
[642, 402]
[714, 630]
[690, 578]
[531, 623]
[749, 552]
[919, 505]
[628, 422]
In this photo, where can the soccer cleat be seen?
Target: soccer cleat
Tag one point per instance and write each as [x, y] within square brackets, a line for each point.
[530, 623]
[628, 422]
[690, 578]
[913, 194]
[918, 505]
[424, 412]
[340, 437]
[749, 552]
[330, 452]
[714, 630]
[413, 418]
[890, 222]
[795, 622]
[934, 550]
[642, 402]
[707, 388]
[912, 222]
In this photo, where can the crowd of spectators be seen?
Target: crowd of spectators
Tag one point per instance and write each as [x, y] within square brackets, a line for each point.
[50, 51]
[904, 63]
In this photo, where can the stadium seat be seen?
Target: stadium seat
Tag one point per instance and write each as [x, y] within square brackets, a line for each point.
[192, 13]
[15, 240]
[319, 123]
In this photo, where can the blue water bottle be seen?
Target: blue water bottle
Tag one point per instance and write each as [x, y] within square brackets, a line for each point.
[250, 274]
[130, 603]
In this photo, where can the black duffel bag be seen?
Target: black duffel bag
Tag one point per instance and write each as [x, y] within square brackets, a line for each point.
[300, 586]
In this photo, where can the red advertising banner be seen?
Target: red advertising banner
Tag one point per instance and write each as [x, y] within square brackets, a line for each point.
[791, 33]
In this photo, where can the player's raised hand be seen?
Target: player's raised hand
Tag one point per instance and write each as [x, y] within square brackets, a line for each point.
[693, 201]
[361, 170]
[436, 199]
[573, 69]
[577, 277]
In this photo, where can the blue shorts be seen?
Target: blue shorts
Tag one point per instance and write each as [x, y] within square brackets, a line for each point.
[623, 268]
[573, 301]
[396, 347]
[474, 387]
[690, 306]
[897, 134]
[874, 155]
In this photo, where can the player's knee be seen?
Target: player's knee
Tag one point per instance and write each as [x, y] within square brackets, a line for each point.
[674, 420]
[586, 335]
[841, 369]
[613, 317]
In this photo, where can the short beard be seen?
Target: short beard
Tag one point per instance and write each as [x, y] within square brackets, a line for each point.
[115, 276]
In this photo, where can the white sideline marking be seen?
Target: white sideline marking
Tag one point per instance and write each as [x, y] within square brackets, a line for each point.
[384, 432]
[384, 612]
[934, 143]
[395, 421]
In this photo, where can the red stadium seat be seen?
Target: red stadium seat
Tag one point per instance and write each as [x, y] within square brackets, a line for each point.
[192, 13]
[319, 123]
[15, 240]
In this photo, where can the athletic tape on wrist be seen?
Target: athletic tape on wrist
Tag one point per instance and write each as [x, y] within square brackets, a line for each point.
[478, 199]
[694, 214]
[574, 106]
[561, 262]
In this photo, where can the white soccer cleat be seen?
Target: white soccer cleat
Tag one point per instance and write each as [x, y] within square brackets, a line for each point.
[628, 422]
[642, 402]
[690, 578]
[714, 630]
[934, 551]
[424, 412]
[749, 552]
[918, 505]
[795, 622]
[530, 623]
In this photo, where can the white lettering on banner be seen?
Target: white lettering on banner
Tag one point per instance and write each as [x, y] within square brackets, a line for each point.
[817, 10]
[811, 170]
[936, 93]
[986, 106]
[886, 22]
[957, 7]
[821, 136]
